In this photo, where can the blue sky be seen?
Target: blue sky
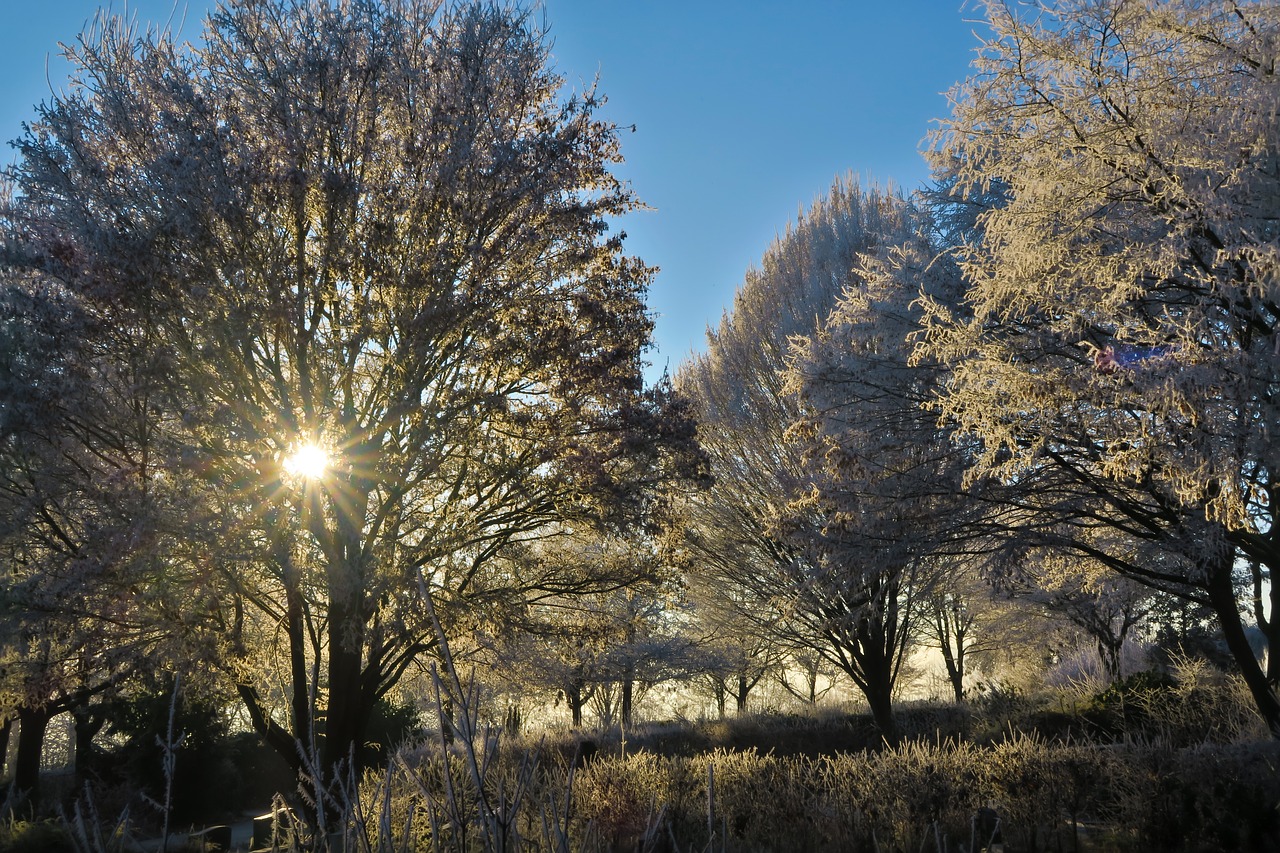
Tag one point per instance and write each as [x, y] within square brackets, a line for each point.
[745, 111]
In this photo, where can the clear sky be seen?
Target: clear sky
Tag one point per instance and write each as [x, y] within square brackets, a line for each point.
[745, 111]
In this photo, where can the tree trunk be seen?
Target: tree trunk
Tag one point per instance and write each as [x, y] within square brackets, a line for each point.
[872, 671]
[1222, 598]
[573, 695]
[6, 729]
[1109, 653]
[628, 692]
[302, 712]
[741, 696]
[876, 654]
[880, 699]
[955, 668]
[1271, 630]
[88, 724]
[346, 711]
[352, 684]
[32, 725]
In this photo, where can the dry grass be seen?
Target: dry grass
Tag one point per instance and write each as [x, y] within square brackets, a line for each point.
[1190, 771]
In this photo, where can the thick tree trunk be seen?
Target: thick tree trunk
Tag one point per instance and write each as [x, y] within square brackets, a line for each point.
[744, 688]
[88, 724]
[872, 671]
[880, 699]
[345, 716]
[876, 653]
[1222, 598]
[32, 725]
[352, 685]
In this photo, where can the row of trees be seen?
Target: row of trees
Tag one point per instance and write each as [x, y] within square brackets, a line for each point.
[1056, 371]
[377, 232]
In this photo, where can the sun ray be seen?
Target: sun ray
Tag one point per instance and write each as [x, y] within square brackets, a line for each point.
[309, 461]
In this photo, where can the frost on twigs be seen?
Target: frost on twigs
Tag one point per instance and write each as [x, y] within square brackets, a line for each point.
[1118, 356]
[1138, 147]
[380, 224]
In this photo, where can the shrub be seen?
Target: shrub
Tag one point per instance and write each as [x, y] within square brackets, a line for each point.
[391, 724]
[1205, 797]
[903, 798]
[627, 799]
[1194, 704]
[20, 836]
[1042, 790]
[934, 721]
[204, 783]
[747, 798]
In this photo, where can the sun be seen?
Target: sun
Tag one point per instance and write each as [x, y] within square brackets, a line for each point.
[308, 461]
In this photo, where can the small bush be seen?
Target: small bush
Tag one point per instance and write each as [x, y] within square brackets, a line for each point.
[904, 798]
[747, 796]
[934, 721]
[1194, 704]
[1043, 790]
[1206, 797]
[625, 799]
[20, 836]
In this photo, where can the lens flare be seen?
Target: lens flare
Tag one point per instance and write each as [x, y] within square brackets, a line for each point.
[309, 461]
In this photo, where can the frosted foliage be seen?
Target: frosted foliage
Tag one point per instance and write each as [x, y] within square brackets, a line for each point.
[884, 473]
[1124, 297]
[756, 538]
[800, 278]
[379, 227]
[736, 387]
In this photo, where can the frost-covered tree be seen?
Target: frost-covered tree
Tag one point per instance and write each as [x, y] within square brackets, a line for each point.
[607, 623]
[734, 654]
[1119, 347]
[747, 539]
[371, 234]
[975, 628]
[885, 479]
[1105, 606]
[79, 519]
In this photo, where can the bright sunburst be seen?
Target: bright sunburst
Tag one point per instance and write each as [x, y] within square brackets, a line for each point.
[309, 461]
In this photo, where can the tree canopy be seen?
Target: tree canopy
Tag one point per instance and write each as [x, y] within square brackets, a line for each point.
[376, 231]
[1118, 345]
